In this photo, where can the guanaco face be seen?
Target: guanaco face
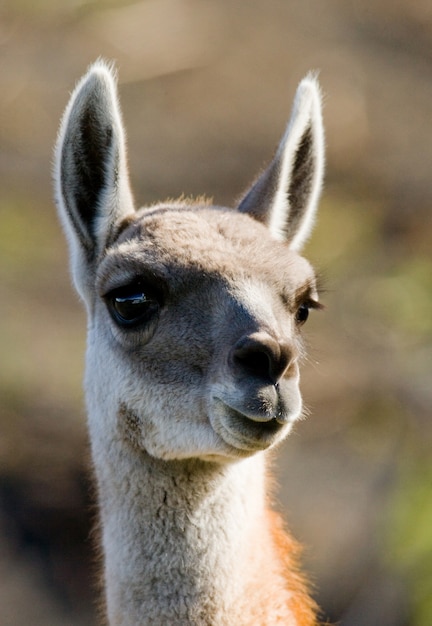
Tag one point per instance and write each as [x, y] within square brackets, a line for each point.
[195, 311]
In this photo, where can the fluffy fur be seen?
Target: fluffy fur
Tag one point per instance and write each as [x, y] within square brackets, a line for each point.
[184, 403]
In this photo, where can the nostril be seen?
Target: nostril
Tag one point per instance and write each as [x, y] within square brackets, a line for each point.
[261, 356]
[253, 361]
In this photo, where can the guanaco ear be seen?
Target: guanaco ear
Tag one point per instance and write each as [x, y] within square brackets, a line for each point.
[91, 181]
[286, 194]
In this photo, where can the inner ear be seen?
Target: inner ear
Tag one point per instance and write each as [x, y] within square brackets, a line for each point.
[86, 157]
[300, 185]
[95, 156]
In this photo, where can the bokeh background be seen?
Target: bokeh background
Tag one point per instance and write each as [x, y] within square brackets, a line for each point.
[206, 88]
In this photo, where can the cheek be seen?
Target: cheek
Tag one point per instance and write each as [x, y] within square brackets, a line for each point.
[161, 411]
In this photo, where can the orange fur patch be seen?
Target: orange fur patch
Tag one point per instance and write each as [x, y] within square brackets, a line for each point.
[302, 605]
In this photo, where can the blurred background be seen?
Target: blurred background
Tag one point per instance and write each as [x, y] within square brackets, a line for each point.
[206, 89]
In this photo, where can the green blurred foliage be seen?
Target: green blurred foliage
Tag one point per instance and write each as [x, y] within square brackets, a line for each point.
[409, 539]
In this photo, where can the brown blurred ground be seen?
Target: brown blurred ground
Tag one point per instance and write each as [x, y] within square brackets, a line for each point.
[206, 89]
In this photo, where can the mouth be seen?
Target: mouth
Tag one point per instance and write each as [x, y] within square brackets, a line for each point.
[257, 430]
[243, 433]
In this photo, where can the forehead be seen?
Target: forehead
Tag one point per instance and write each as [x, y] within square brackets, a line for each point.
[208, 240]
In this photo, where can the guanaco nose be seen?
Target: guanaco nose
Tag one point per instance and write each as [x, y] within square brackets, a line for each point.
[261, 356]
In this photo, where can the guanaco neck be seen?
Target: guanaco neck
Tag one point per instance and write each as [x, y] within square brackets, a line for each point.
[187, 542]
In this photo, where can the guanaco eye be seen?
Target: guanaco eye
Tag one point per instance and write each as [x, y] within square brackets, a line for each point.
[302, 314]
[133, 306]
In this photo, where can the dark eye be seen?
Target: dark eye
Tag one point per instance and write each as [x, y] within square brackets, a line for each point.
[302, 314]
[133, 305]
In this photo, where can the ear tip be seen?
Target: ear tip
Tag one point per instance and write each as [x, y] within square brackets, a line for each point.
[309, 90]
[100, 74]
[101, 70]
[99, 83]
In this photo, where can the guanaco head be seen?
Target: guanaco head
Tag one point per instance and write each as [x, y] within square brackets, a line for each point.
[195, 311]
